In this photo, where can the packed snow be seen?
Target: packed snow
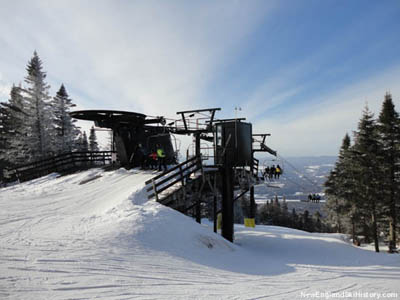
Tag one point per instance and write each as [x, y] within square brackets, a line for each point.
[94, 235]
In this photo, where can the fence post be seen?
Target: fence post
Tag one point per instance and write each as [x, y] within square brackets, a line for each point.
[155, 189]
[183, 186]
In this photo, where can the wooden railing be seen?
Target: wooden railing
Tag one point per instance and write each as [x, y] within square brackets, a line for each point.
[61, 163]
[178, 175]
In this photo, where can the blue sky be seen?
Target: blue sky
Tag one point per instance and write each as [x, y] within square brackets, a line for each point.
[300, 70]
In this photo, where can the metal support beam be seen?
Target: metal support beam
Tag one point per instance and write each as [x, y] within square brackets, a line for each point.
[198, 110]
[252, 200]
[198, 194]
[215, 212]
[227, 202]
[198, 203]
[252, 203]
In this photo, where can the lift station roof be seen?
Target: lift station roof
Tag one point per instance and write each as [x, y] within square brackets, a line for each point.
[110, 118]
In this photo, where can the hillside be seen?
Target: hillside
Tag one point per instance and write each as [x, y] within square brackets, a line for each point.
[94, 235]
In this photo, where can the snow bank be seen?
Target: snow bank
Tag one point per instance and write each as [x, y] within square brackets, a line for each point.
[95, 235]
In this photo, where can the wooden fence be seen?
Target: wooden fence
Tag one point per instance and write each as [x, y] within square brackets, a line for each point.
[179, 174]
[62, 163]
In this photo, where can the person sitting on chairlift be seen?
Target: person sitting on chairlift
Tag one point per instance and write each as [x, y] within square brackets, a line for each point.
[272, 171]
[317, 198]
[266, 173]
[314, 198]
[278, 171]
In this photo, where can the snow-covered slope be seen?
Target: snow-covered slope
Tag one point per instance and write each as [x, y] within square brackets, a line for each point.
[94, 235]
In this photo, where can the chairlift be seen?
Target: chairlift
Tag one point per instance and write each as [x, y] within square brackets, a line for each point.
[268, 163]
[275, 185]
[273, 161]
[314, 198]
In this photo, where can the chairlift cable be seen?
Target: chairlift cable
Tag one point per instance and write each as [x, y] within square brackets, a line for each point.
[296, 183]
[299, 172]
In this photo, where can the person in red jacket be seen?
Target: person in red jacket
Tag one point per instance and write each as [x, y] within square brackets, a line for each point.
[153, 159]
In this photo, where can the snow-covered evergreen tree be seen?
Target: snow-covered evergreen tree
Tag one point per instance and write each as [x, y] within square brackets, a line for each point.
[93, 145]
[3, 141]
[40, 134]
[85, 142]
[82, 143]
[65, 128]
[389, 135]
[13, 128]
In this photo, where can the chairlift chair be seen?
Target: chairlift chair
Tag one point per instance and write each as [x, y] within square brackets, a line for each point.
[269, 163]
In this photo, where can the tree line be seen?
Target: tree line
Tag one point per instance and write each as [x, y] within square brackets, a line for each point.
[274, 212]
[34, 125]
[363, 188]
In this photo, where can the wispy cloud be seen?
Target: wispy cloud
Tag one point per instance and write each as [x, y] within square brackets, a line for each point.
[154, 57]
[158, 57]
[320, 127]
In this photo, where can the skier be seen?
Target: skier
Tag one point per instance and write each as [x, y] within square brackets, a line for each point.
[272, 172]
[161, 158]
[153, 159]
[266, 173]
[318, 198]
[140, 156]
[278, 171]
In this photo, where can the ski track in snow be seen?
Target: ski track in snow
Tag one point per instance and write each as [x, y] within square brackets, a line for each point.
[92, 235]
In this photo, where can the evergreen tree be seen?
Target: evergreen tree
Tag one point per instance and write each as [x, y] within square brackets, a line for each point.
[13, 129]
[93, 145]
[389, 135]
[367, 170]
[317, 221]
[40, 129]
[66, 131]
[85, 143]
[82, 144]
[307, 222]
[3, 141]
[340, 187]
[294, 219]
[363, 188]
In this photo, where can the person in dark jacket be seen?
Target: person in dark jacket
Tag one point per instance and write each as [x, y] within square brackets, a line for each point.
[272, 172]
[141, 156]
[266, 173]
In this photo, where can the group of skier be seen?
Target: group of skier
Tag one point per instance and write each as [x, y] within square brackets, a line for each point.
[153, 159]
[314, 198]
[272, 172]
